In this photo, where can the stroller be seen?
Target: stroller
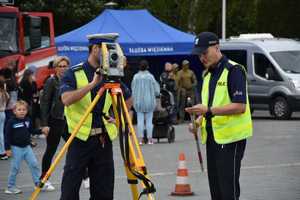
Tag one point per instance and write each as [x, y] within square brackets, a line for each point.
[165, 107]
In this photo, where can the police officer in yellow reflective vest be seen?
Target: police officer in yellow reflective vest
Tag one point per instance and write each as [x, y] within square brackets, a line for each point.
[92, 147]
[225, 118]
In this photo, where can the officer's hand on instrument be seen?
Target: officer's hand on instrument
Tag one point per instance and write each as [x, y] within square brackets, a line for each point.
[193, 126]
[198, 109]
[96, 79]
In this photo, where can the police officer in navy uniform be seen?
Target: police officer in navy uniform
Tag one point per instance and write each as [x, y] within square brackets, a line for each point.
[226, 121]
[92, 146]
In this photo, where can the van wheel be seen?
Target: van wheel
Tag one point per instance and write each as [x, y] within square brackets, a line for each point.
[280, 108]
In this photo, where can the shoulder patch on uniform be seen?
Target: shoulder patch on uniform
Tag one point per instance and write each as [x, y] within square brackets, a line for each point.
[76, 67]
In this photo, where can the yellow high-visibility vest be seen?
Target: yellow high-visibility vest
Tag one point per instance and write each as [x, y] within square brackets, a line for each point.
[227, 128]
[75, 111]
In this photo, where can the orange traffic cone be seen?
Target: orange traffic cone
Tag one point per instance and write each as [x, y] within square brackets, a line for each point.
[182, 188]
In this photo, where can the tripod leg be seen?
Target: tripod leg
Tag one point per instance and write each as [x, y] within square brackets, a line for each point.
[132, 180]
[66, 145]
[136, 157]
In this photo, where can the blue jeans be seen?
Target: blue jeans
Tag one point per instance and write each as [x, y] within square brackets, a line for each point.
[18, 155]
[2, 120]
[141, 117]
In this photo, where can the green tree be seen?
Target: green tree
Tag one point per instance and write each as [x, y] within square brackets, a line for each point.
[68, 15]
[281, 18]
[208, 16]
[241, 17]
[278, 17]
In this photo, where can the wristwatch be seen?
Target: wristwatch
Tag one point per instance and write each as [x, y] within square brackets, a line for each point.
[208, 113]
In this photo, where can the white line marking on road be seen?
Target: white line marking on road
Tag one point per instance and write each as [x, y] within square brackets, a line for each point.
[297, 164]
[278, 137]
[157, 174]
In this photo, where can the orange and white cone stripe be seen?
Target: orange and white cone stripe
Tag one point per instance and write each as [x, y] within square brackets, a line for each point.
[182, 187]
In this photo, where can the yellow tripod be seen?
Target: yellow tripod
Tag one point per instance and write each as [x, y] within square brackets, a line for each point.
[133, 159]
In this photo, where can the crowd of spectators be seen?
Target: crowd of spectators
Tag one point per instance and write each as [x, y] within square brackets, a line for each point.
[179, 81]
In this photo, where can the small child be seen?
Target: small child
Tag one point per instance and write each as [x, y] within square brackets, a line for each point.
[17, 145]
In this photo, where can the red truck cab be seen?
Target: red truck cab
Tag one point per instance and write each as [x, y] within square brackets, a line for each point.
[27, 40]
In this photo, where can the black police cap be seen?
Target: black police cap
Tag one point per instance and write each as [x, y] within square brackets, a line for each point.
[203, 41]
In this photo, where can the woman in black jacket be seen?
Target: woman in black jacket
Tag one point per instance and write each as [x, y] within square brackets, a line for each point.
[52, 115]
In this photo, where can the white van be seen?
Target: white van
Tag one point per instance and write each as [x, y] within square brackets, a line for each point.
[273, 66]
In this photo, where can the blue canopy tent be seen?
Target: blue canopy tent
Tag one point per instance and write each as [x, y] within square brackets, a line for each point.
[141, 34]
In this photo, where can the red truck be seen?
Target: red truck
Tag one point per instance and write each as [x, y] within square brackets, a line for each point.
[27, 41]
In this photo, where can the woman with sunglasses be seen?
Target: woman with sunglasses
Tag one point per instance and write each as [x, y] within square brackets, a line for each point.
[53, 121]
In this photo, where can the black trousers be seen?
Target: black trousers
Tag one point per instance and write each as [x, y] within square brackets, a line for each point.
[58, 129]
[98, 159]
[223, 166]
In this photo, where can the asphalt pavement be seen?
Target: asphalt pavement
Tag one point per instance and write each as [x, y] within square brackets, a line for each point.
[270, 168]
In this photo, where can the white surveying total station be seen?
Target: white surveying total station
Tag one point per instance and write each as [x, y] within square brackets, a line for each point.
[112, 59]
